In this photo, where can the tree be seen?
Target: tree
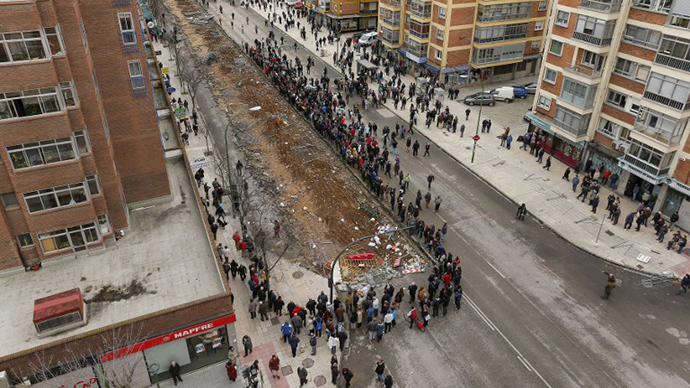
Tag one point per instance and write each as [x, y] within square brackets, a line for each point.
[192, 73]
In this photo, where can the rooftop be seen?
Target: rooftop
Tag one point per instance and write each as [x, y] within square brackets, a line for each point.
[163, 261]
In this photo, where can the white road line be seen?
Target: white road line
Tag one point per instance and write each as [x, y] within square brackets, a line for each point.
[520, 357]
[495, 269]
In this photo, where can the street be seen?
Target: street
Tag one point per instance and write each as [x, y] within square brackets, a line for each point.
[533, 314]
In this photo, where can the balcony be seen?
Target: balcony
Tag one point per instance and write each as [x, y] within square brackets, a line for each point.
[676, 63]
[577, 132]
[654, 170]
[584, 71]
[419, 34]
[591, 39]
[677, 105]
[605, 6]
[661, 6]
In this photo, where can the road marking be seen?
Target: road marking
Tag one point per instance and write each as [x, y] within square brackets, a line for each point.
[495, 269]
[520, 357]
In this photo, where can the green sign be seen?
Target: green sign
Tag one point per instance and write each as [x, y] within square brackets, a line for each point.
[180, 112]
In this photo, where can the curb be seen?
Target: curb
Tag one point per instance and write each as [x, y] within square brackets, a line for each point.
[534, 216]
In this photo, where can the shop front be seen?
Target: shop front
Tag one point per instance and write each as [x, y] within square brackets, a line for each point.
[561, 148]
[639, 182]
[602, 156]
[192, 347]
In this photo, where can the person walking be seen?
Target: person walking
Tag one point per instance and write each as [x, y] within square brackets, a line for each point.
[302, 374]
[566, 174]
[380, 328]
[610, 285]
[293, 341]
[380, 369]
[576, 180]
[437, 203]
[413, 316]
[684, 284]
[286, 330]
[547, 165]
[412, 288]
[430, 179]
[595, 203]
[263, 311]
[312, 342]
[334, 373]
[629, 220]
[247, 343]
[521, 212]
[274, 366]
[467, 114]
[388, 382]
[231, 370]
[348, 376]
[342, 338]
[174, 371]
[426, 150]
[252, 308]
[333, 343]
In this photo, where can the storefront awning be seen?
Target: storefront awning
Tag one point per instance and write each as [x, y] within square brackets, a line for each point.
[411, 57]
[539, 122]
[429, 67]
[458, 69]
[604, 150]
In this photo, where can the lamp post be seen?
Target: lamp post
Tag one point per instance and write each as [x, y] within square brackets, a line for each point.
[389, 232]
[479, 116]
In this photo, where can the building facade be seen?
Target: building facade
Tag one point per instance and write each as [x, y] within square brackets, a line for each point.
[614, 90]
[498, 39]
[345, 15]
[79, 137]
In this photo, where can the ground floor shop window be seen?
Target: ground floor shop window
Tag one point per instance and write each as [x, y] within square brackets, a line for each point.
[672, 202]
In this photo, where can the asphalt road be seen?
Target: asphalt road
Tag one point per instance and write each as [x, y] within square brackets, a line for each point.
[533, 316]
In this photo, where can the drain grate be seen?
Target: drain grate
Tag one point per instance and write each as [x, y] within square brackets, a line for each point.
[297, 274]
[308, 363]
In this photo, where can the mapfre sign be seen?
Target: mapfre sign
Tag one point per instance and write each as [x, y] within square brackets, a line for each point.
[175, 335]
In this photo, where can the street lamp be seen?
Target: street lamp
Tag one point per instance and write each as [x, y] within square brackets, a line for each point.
[388, 232]
[479, 116]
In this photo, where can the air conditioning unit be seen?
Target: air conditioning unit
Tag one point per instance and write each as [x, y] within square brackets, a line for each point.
[623, 147]
[59, 312]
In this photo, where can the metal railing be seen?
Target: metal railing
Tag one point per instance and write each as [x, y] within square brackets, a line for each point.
[655, 134]
[420, 35]
[601, 5]
[654, 170]
[583, 71]
[670, 61]
[591, 39]
[577, 132]
[501, 17]
[677, 105]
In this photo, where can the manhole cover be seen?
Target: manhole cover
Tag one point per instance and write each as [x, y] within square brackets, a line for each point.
[308, 363]
[287, 370]
[297, 274]
[610, 233]
[275, 321]
[320, 381]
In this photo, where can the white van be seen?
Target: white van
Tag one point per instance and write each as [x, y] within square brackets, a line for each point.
[368, 39]
[504, 93]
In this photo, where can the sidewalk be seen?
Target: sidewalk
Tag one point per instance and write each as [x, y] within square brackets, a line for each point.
[289, 280]
[516, 175]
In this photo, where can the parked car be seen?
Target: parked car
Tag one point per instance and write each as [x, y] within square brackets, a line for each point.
[367, 39]
[480, 99]
[531, 87]
[520, 92]
[504, 93]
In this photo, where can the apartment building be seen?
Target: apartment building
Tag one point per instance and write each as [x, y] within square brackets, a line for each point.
[345, 15]
[79, 139]
[614, 89]
[499, 39]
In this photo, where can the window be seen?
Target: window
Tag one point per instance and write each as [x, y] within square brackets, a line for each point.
[438, 54]
[439, 33]
[535, 45]
[550, 76]
[616, 99]
[632, 70]
[54, 197]
[29, 103]
[542, 6]
[129, 35]
[441, 13]
[538, 26]
[498, 12]
[93, 184]
[25, 240]
[10, 200]
[21, 46]
[82, 29]
[104, 224]
[608, 128]
[82, 141]
[136, 74]
[544, 102]
[574, 92]
[500, 33]
[40, 153]
[650, 156]
[654, 5]
[54, 40]
[634, 106]
[570, 121]
[69, 96]
[642, 36]
[74, 237]
[556, 48]
[589, 58]
[562, 18]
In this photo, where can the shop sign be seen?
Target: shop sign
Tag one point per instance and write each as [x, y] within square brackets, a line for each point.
[199, 162]
[683, 188]
[165, 70]
[457, 69]
[173, 336]
[180, 112]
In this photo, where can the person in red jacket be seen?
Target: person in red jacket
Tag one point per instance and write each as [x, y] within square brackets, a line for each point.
[413, 316]
[231, 369]
[447, 278]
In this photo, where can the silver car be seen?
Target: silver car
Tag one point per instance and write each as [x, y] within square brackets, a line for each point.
[480, 99]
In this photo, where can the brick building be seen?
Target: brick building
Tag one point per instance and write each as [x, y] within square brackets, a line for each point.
[454, 37]
[614, 90]
[345, 15]
[79, 138]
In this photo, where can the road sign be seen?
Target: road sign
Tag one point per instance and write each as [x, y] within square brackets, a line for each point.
[475, 137]
[165, 70]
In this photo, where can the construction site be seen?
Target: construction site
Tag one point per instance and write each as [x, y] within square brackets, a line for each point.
[292, 175]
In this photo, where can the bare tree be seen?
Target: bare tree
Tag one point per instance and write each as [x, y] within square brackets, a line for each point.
[112, 358]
